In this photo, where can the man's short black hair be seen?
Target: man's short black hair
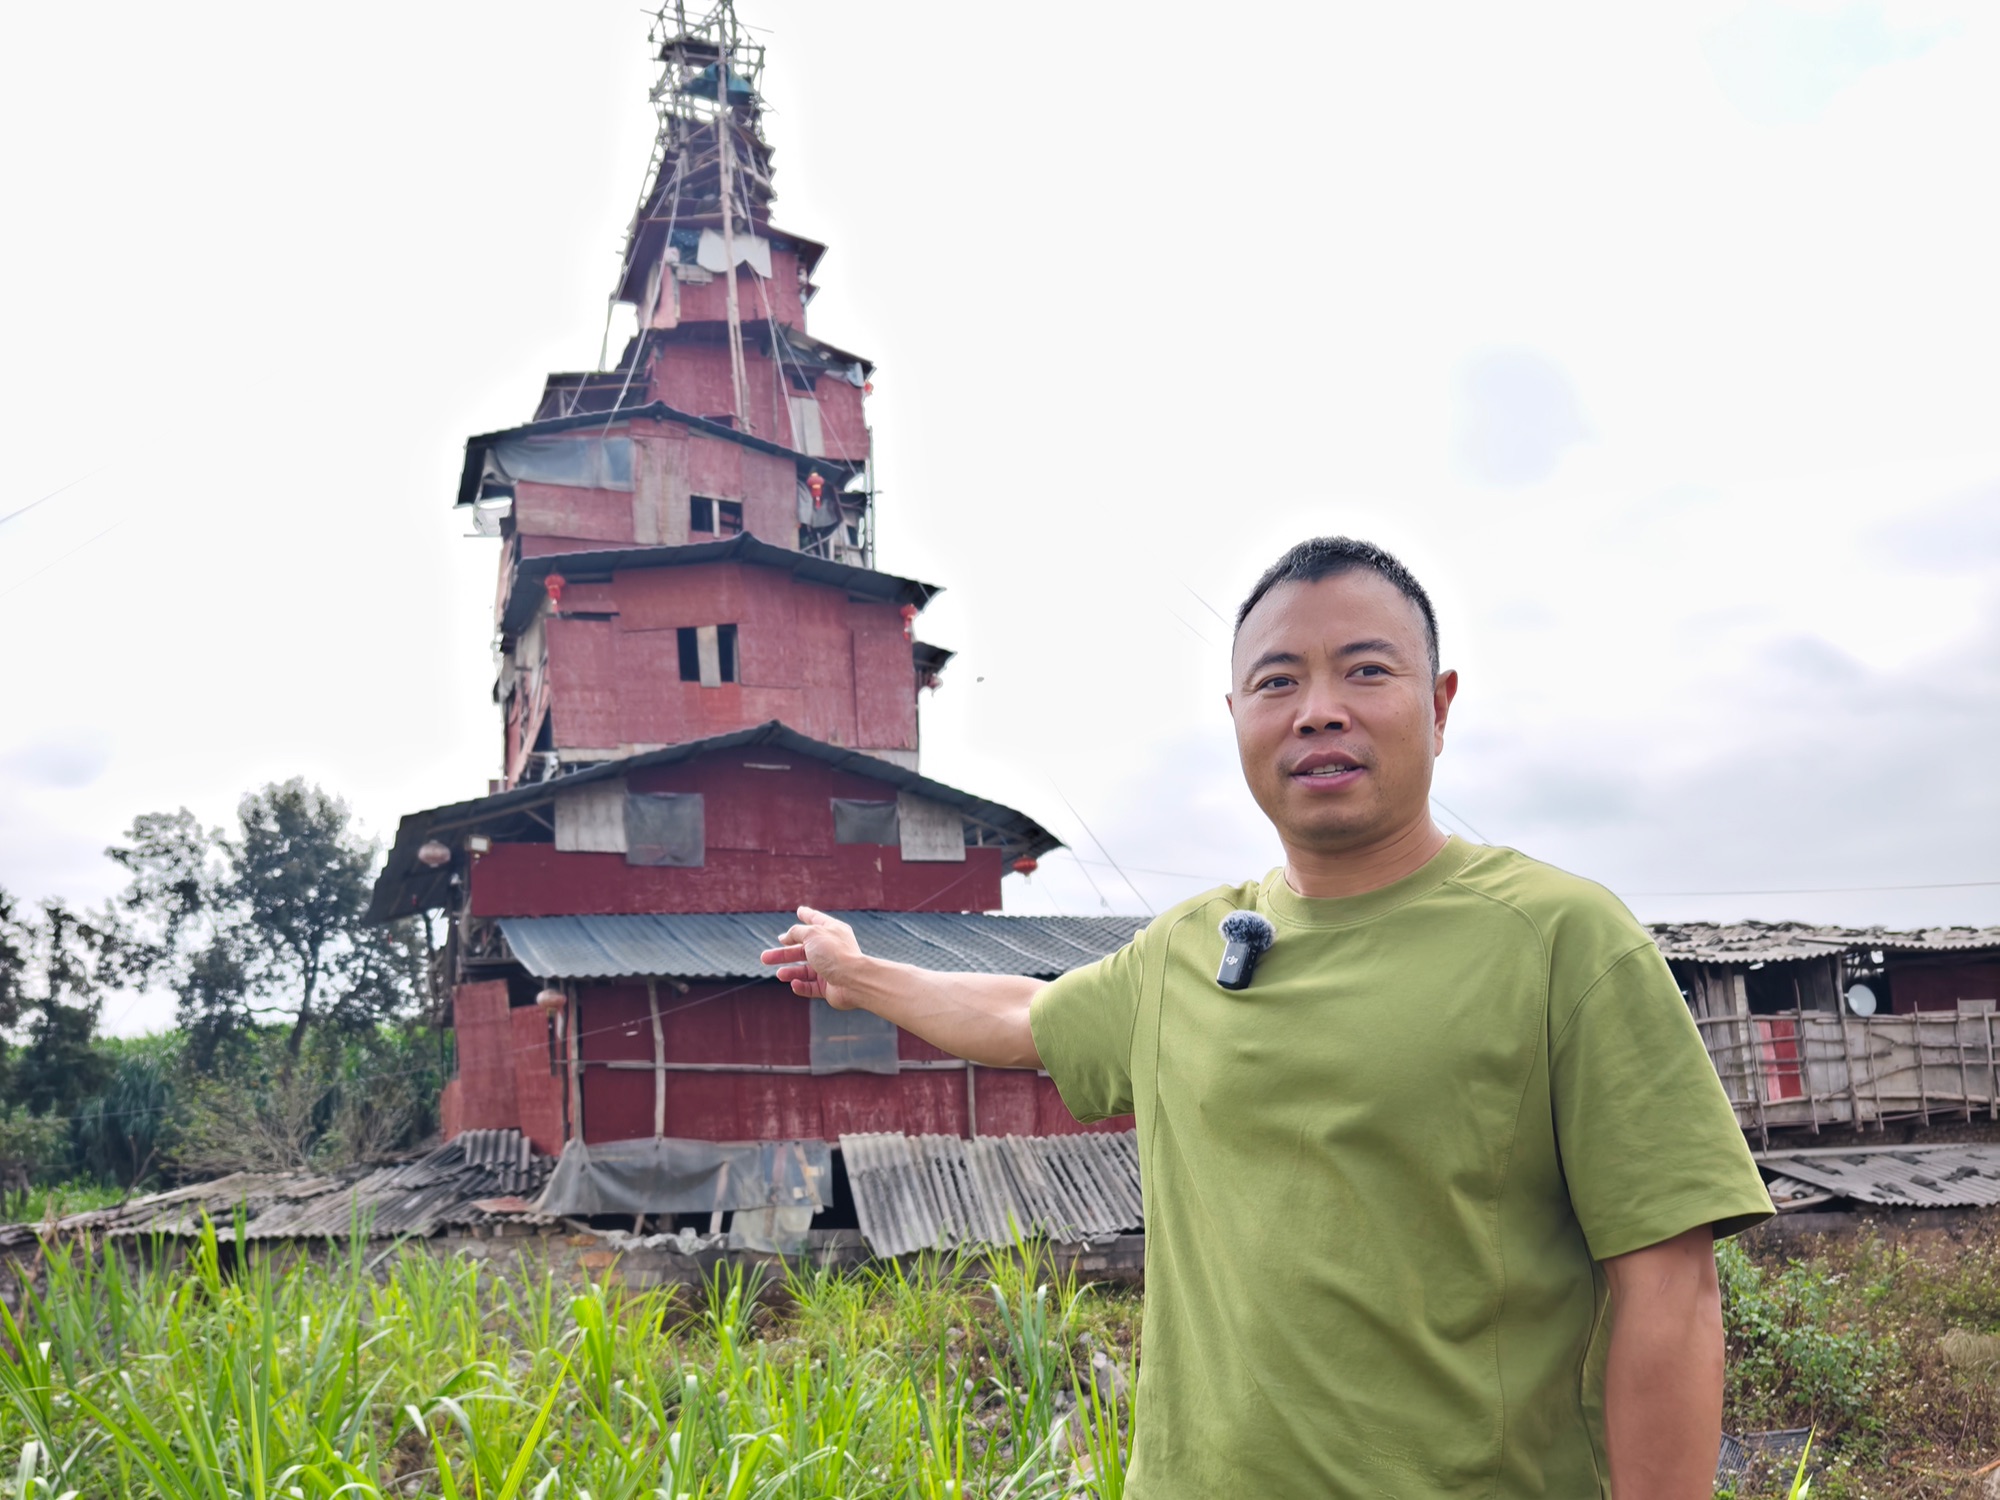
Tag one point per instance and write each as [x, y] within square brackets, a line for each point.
[1331, 556]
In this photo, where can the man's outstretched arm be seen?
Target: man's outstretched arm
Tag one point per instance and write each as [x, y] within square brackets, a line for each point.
[980, 1017]
[1663, 1385]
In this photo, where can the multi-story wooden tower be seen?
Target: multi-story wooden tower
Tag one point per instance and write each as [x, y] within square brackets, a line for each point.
[708, 696]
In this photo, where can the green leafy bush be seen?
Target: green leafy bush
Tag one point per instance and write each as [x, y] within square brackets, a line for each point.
[1795, 1359]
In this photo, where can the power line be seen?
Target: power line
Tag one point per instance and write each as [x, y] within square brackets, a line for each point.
[1203, 602]
[1462, 818]
[1103, 851]
[59, 489]
[64, 558]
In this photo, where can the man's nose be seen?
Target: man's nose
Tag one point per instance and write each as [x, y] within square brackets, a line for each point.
[1322, 710]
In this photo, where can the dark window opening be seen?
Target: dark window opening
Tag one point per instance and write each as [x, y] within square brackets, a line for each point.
[857, 822]
[695, 643]
[665, 828]
[711, 517]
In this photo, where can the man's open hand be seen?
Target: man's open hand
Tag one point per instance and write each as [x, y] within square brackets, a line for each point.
[817, 956]
[980, 1017]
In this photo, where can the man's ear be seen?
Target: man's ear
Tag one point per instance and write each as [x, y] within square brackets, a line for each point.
[1442, 692]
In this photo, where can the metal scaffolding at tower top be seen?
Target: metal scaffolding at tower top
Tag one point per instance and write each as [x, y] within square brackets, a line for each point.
[711, 166]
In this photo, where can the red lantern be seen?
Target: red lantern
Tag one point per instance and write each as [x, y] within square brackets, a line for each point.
[555, 583]
[551, 998]
[909, 622]
[816, 485]
[867, 387]
[434, 854]
[1025, 865]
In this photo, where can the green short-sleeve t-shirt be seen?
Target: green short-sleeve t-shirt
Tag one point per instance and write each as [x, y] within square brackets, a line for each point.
[1379, 1180]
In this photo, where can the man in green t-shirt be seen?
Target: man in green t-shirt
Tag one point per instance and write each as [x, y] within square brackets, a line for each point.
[1430, 1203]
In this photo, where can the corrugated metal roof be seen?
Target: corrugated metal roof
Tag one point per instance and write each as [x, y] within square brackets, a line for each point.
[1782, 942]
[405, 886]
[414, 1197]
[692, 945]
[938, 1192]
[1957, 1176]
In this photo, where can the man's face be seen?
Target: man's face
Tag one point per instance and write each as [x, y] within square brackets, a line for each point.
[1337, 717]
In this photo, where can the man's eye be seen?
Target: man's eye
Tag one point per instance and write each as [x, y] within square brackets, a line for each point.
[1371, 670]
[1274, 682]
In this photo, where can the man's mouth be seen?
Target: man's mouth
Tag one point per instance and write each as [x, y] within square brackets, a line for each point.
[1326, 770]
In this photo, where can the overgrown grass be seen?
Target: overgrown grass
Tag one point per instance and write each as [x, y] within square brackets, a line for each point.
[436, 1377]
[1883, 1342]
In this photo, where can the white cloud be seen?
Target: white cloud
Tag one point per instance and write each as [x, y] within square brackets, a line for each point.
[63, 761]
[1140, 325]
[1519, 414]
[1783, 64]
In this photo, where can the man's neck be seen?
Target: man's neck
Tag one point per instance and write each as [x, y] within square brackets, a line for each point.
[1321, 876]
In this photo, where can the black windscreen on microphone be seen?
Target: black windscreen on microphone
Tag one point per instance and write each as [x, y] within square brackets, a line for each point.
[1247, 934]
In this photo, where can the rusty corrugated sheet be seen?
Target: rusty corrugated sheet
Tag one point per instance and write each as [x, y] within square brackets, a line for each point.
[1959, 1176]
[726, 945]
[1782, 942]
[936, 1192]
[419, 1197]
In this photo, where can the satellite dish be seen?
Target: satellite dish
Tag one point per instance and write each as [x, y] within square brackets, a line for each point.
[1861, 1000]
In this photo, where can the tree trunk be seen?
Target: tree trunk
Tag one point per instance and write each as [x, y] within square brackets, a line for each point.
[298, 1036]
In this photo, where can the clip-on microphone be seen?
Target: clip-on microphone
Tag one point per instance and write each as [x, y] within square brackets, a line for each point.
[1248, 934]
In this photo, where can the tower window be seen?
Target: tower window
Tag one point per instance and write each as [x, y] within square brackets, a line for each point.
[711, 517]
[708, 654]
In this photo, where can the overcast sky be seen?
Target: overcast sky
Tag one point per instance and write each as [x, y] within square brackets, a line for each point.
[1658, 339]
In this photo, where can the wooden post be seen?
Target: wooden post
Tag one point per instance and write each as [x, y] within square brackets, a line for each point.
[1847, 1060]
[1923, 1080]
[971, 1100]
[659, 1059]
[721, 1190]
[1875, 1078]
[725, 146]
[1801, 1045]
[574, 1013]
[1992, 1078]
[1964, 1067]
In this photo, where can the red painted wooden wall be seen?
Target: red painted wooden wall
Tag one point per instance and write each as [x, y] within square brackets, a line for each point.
[761, 1022]
[671, 462]
[769, 848]
[538, 1086]
[482, 1096]
[1925, 986]
[833, 668]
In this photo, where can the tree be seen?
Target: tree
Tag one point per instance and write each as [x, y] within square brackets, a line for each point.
[128, 1130]
[55, 966]
[301, 877]
[265, 927]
